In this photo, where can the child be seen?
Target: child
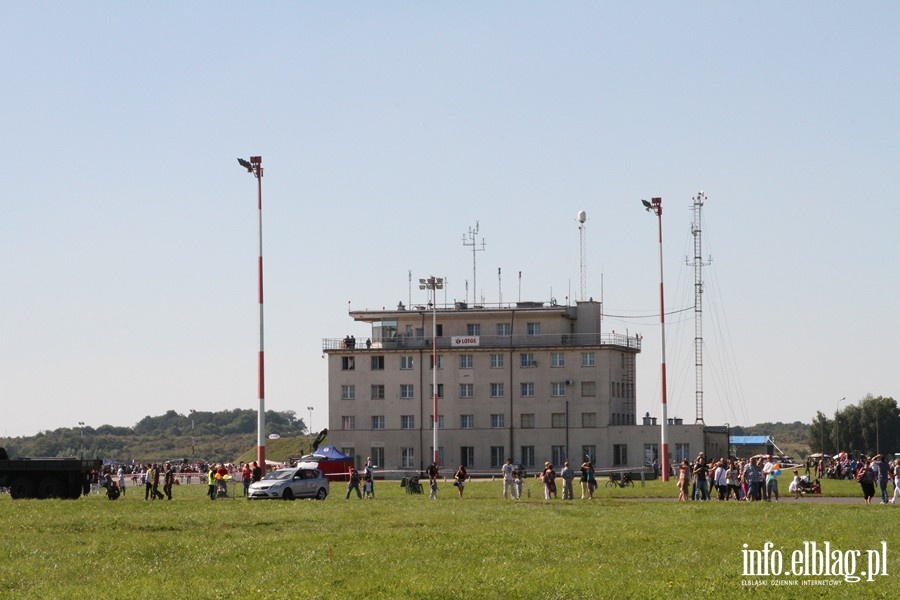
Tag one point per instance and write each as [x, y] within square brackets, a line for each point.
[795, 487]
[367, 485]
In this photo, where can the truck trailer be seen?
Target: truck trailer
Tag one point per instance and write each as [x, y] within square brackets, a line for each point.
[46, 477]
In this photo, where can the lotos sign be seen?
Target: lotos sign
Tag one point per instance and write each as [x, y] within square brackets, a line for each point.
[469, 340]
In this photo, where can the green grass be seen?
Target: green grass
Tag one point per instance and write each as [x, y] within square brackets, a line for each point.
[407, 546]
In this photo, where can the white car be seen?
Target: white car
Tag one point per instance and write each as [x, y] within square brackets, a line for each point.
[290, 483]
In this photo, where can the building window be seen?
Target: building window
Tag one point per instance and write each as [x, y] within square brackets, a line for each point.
[407, 458]
[467, 456]
[526, 360]
[557, 359]
[498, 421]
[377, 456]
[497, 361]
[377, 363]
[496, 390]
[473, 329]
[589, 453]
[588, 359]
[440, 458]
[558, 420]
[467, 390]
[498, 457]
[589, 419]
[651, 453]
[620, 455]
[348, 392]
[349, 451]
[526, 420]
[378, 422]
[406, 362]
[407, 421]
[348, 363]
[377, 391]
[558, 389]
[407, 391]
[682, 452]
[527, 456]
[504, 329]
[467, 421]
[431, 424]
[558, 455]
[526, 390]
[533, 328]
[588, 389]
[348, 422]
[440, 392]
[466, 361]
[440, 360]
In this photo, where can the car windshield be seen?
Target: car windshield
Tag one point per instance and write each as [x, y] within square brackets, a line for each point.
[282, 474]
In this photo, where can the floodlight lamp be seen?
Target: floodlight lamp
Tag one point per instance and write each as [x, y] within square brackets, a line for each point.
[245, 164]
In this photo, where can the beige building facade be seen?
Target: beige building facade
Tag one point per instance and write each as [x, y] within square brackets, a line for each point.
[532, 381]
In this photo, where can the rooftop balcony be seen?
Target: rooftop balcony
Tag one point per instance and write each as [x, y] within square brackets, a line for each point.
[570, 340]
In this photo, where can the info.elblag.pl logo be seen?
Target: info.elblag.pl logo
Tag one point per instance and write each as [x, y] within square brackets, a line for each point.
[814, 560]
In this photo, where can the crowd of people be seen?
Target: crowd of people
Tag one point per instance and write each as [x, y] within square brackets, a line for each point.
[756, 479]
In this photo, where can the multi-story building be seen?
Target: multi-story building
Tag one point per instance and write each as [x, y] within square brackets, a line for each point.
[532, 381]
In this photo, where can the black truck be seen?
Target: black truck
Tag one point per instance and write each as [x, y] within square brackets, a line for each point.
[41, 477]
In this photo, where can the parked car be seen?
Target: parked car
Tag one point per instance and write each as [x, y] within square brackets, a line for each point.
[290, 483]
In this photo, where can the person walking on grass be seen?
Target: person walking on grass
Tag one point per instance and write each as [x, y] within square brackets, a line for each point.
[866, 479]
[460, 477]
[567, 475]
[211, 482]
[509, 482]
[432, 472]
[353, 484]
[168, 481]
[588, 480]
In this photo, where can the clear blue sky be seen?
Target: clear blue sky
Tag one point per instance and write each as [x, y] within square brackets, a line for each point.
[128, 231]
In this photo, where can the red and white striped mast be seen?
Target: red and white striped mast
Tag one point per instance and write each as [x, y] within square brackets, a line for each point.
[255, 167]
[655, 206]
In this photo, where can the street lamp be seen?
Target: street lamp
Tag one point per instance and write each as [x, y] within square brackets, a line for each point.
[434, 284]
[655, 206]
[309, 425]
[254, 167]
[837, 426]
[193, 451]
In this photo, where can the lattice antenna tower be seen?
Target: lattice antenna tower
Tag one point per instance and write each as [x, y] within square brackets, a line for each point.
[470, 239]
[696, 230]
[582, 265]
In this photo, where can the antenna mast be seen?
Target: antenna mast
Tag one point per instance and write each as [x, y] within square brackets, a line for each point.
[582, 217]
[469, 239]
[697, 209]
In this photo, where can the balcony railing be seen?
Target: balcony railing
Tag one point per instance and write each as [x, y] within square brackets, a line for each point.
[549, 340]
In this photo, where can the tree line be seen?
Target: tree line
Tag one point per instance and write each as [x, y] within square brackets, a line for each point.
[201, 435]
[870, 427]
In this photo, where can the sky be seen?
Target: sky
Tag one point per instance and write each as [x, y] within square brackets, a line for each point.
[388, 131]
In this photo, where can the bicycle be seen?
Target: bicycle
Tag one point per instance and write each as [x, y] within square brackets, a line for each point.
[616, 480]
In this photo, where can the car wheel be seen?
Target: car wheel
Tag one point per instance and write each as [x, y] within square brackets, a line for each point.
[321, 494]
[288, 494]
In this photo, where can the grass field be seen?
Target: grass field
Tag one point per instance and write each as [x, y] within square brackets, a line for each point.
[407, 546]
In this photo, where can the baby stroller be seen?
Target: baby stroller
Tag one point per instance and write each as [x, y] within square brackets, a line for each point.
[807, 487]
[221, 488]
[412, 485]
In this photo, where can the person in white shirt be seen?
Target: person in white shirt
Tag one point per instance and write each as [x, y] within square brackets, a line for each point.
[509, 482]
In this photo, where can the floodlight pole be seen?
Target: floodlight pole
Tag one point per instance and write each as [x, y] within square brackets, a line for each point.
[434, 284]
[256, 169]
[655, 206]
[837, 425]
